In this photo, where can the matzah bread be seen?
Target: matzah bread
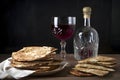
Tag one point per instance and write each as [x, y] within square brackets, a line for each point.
[100, 65]
[34, 64]
[79, 73]
[91, 66]
[39, 59]
[46, 69]
[33, 53]
[107, 63]
[97, 59]
[92, 71]
[100, 60]
[110, 66]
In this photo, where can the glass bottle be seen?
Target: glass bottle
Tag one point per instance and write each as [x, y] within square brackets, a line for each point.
[86, 39]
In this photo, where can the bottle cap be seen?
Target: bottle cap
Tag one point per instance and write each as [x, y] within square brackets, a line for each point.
[87, 12]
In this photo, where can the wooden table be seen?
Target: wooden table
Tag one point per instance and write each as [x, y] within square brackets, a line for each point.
[65, 75]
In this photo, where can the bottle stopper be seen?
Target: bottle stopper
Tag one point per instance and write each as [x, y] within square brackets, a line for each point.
[87, 12]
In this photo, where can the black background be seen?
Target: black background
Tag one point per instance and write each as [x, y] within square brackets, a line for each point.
[27, 23]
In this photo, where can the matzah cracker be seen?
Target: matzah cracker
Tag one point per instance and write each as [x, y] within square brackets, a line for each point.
[110, 65]
[94, 60]
[79, 73]
[93, 71]
[107, 63]
[91, 66]
[33, 53]
[34, 64]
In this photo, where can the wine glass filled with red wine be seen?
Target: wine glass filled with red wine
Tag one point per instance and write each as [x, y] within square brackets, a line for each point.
[63, 29]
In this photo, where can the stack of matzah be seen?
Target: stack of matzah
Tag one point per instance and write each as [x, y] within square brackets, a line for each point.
[35, 58]
[100, 66]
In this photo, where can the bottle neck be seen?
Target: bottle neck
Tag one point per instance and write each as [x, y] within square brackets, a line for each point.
[87, 22]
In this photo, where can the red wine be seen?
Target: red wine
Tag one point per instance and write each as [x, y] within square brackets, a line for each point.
[63, 32]
[85, 53]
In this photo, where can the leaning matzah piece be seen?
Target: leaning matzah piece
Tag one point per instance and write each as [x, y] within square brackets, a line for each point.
[91, 66]
[33, 53]
[93, 71]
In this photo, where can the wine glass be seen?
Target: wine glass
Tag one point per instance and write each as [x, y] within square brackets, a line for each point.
[63, 28]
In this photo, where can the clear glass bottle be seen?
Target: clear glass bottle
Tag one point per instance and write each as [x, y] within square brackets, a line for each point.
[86, 39]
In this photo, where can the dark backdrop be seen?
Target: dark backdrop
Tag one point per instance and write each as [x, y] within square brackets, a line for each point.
[27, 22]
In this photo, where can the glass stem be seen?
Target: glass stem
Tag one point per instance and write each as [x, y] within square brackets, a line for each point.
[63, 51]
